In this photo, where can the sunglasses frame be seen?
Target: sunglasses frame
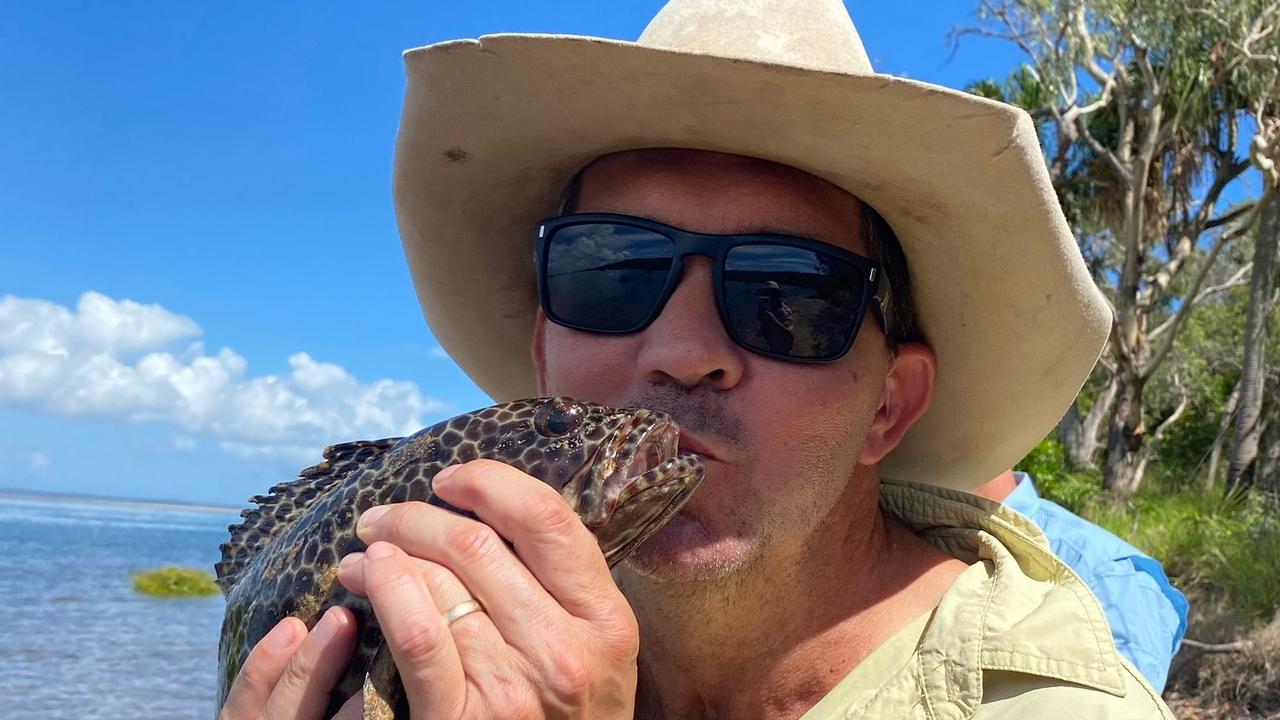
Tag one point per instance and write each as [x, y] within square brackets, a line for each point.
[715, 247]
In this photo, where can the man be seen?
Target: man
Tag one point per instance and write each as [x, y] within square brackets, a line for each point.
[799, 580]
[774, 319]
[1147, 614]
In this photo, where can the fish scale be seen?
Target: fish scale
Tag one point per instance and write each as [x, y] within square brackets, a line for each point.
[282, 560]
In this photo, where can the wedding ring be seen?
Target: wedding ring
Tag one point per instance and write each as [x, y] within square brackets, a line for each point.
[460, 610]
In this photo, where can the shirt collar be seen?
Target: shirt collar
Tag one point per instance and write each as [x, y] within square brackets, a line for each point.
[999, 613]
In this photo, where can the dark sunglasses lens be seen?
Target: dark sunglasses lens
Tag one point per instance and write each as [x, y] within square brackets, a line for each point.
[606, 277]
[791, 301]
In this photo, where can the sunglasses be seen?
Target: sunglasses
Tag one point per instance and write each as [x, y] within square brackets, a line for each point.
[789, 298]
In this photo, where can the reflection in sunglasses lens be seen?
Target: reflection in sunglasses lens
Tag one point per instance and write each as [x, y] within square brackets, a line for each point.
[791, 301]
[605, 276]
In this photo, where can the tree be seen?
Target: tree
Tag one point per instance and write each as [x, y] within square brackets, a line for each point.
[1266, 156]
[1141, 108]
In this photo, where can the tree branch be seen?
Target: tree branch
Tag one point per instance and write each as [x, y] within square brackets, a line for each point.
[1228, 217]
[1121, 169]
[1158, 283]
[1239, 279]
[1204, 647]
[1148, 448]
[1090, 57]
[1224, 423]
[1184, 310]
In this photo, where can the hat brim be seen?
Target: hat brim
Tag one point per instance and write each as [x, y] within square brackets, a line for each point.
[494, 128]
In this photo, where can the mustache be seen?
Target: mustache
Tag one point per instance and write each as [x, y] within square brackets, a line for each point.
[700, 410]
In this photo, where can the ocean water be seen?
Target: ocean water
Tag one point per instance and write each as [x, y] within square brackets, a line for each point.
[76, 641]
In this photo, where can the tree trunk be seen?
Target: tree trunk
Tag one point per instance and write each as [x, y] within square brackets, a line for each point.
[1253, 371]
[1125, 437]
[1126, 432]
[1215, 456]
[1149, 447]
[1267, 473]
[1079, 434]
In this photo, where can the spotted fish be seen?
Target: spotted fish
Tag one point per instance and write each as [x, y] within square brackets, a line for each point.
[618, 469]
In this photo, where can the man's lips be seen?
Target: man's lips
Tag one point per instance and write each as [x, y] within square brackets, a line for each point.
[690, 443]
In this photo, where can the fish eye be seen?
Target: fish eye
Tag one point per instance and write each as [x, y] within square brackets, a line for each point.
[558, 417]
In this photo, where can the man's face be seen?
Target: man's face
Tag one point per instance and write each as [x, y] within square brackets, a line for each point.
[782, 440]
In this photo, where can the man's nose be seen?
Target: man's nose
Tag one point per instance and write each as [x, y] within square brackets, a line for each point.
[688, 343]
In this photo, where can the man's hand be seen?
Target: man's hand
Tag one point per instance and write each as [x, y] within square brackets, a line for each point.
[555, 639]
[290, 672]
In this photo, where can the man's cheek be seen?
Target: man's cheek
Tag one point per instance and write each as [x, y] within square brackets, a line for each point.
[584, 373]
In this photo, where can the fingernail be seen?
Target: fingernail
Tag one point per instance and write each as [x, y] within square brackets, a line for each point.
[350, 559]
[370, 516]
[380, 551]
[327, 627]
[281, 636]
[444, 475]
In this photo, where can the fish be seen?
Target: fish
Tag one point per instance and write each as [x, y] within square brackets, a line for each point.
[618, 469]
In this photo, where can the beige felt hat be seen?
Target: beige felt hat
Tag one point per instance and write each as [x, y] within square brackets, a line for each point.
[494, 128]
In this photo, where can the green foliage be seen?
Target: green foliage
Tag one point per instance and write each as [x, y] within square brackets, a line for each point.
[1207, 360]
[174, 582]
[989, 89]
[1046, 464]
[1022, 88]
[1073, 490]
[1225, 547]
[1221, 547]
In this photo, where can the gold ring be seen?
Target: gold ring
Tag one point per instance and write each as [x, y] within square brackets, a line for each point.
[461, 609]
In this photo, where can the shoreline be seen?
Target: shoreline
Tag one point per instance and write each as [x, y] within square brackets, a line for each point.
[138, 503]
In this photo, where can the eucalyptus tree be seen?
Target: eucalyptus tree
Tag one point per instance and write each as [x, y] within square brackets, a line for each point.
[1141, 106]
[1265, 155]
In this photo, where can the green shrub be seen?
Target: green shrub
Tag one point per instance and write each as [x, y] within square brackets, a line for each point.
[1074, 491]
[1226, 547]
[175, 582]
[1045, 461]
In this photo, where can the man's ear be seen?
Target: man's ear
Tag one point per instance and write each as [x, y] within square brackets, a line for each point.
[908, 387]
[538, 350]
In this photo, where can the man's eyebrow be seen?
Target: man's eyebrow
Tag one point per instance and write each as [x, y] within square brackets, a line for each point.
[750, 228]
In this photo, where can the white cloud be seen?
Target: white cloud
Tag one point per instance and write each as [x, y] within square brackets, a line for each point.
[438, 352]
[121, 361]
[98, 324]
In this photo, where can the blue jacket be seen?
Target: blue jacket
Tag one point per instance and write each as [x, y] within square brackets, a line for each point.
[1147, 614]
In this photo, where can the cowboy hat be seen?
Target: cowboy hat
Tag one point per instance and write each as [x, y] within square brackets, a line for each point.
[494, 128]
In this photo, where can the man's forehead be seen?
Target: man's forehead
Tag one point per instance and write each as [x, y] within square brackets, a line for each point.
[715, 192]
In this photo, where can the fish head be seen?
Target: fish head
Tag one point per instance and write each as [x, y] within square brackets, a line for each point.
[618, 469]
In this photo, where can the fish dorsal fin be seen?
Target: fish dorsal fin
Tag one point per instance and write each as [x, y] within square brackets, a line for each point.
[286, 501]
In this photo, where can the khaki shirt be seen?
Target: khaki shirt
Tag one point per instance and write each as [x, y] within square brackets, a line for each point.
[1017, 636]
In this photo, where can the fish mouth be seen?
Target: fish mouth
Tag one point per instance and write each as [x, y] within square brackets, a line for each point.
[642, 483]
[658, 447]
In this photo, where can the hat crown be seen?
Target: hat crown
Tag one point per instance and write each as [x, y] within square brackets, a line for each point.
[815, 34]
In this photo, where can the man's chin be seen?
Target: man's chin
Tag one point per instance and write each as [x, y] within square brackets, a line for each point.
[686, 549]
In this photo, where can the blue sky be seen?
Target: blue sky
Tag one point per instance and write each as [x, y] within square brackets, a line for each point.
[199, 193]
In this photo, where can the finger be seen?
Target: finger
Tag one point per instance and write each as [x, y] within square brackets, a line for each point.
[478, 640]
[447, 591]
[321, 658]
[444, 586]
[262, 670]
[547, 535]
[470, 631]
[513, 598]
[351, 573]
[420, 642]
